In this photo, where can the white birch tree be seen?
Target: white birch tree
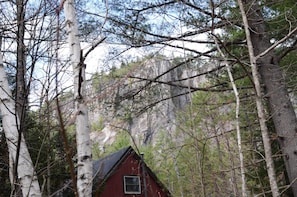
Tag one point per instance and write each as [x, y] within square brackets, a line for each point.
[25, 169]
[84, 151]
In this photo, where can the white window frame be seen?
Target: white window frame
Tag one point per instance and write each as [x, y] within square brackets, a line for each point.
[132, 192]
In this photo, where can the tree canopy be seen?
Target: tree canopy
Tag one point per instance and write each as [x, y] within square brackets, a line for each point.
[238, 125]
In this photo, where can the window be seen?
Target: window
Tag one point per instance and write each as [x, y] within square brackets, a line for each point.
[132, 185]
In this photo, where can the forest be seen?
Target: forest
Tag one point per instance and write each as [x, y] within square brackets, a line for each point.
[207, 90]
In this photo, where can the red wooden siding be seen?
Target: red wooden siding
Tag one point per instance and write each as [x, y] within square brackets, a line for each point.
[114, 186]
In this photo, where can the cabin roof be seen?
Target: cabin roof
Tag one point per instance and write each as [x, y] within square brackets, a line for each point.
[104, 167]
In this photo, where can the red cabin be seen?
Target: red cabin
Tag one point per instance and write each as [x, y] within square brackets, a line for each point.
[122, 173]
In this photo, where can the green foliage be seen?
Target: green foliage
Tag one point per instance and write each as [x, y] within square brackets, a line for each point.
[47, 152]
[96, 82]
[192, 160]
[124, 69]
[4, 167]
[66, 96]
[277, 27]
[122, 140]
[148, 154]
[127, 117]
[96, 152]
[281, 17]
[289, 67]
[98, 126]
[199, 158]
[100, 80]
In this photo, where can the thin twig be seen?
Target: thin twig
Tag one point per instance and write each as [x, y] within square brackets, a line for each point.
[276, 44]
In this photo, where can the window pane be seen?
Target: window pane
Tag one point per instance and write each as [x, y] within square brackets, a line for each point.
[132, 184]
[131, 180]
[132, 188]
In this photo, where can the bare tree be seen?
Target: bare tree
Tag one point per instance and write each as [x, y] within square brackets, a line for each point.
[84, 152]
[237, 121]
[25, 168]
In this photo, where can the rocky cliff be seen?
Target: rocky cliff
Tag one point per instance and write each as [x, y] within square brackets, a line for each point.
[142, 98]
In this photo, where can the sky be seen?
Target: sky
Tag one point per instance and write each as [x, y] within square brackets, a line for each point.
[102, 58]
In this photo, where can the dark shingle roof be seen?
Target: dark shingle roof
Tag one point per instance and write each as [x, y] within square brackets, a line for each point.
[103, 167]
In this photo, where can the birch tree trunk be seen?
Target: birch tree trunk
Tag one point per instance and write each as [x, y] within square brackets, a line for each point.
[260, 106]
[26, 174]
[84, 152]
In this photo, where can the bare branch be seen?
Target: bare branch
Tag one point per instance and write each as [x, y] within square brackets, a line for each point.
[276, 44]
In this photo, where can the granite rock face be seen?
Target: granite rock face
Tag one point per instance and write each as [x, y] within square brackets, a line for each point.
[143, 101]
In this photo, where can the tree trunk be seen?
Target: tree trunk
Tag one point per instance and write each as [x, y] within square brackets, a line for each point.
[84, 152]
[21, 96]
[26, 174]
[233, 179]
[178, 176]
[281, 108]
[259, 103]
[238, 134]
